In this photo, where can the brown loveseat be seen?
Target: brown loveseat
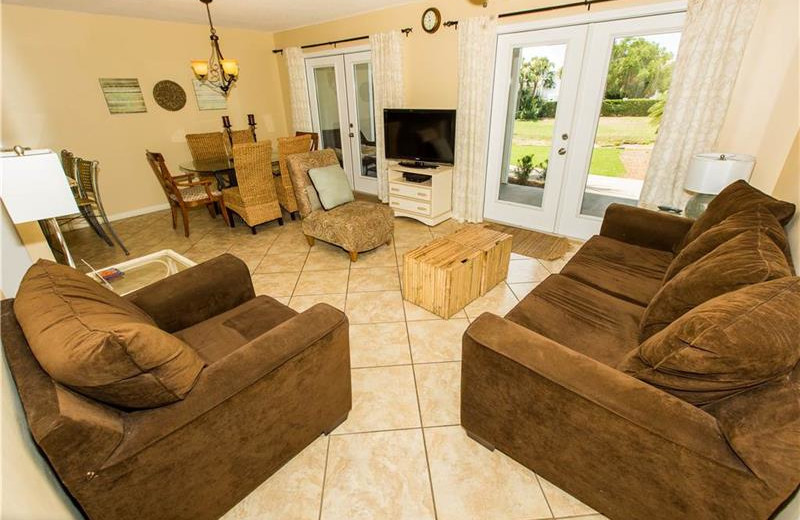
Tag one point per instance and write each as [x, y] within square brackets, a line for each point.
[657, 376]
[245, 385]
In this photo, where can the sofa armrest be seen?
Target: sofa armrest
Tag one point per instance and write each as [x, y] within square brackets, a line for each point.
[321, 333]
[196, 294]
[644, 227]
[603, 436]
[600, 385]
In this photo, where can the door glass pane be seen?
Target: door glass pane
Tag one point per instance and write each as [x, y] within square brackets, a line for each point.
[639, 75]
[362, 73]
[533, 96]
[328, 108]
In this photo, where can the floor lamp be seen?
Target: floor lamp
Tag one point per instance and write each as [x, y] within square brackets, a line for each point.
[33, 187]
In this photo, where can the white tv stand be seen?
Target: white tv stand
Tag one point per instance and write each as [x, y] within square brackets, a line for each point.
[429, 202]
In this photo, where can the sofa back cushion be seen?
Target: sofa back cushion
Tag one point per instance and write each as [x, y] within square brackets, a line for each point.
[754, 219]
[746, 259]
[92, 340]
[737, 197]
[727, 345]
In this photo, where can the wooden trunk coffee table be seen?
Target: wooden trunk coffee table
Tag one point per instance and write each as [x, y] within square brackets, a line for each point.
[444, 275]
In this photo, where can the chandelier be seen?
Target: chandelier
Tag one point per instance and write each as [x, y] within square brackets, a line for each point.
[217, 72]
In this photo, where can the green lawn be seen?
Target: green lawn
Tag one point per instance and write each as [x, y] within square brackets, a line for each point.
[612, 131]
[605, 161]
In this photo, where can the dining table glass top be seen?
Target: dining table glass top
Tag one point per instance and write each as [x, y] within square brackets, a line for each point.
[208, 166]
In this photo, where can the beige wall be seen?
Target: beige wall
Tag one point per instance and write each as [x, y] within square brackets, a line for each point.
[764, 113]
[54, 100]
[431, 74]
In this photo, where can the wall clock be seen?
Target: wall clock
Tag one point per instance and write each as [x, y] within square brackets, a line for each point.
[431, 20]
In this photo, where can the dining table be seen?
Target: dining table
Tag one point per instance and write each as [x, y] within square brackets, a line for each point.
[222, 169]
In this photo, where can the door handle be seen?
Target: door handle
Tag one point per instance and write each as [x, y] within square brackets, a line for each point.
[562, 151]
[352, 134]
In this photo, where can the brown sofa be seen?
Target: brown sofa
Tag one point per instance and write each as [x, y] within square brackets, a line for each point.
[249, 384]
[657, 376]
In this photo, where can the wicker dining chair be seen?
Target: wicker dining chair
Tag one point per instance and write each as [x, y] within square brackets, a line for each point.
[184, 193]
[255, 198]
[314, 140]
[89, 200]
[242, 136]
[208, 146]
[283, 183]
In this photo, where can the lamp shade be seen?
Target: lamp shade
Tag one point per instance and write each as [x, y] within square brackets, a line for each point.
[710, 173]
[34, 187]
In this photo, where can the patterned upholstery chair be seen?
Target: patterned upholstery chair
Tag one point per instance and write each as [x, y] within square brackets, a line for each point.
[356, 226]
[283, 183]
[254, 199]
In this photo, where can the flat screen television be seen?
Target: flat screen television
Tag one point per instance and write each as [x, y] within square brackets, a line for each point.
[424, 136]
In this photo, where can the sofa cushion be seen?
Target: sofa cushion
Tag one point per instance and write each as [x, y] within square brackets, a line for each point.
[580, 317]
[99, 344]
[753, 219]
[746, 259]
[217, 337]
[737, 197]
[732, 343]
[623, 270]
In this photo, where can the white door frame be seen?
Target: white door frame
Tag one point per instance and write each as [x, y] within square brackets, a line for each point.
[349, 131]
[337, 63]
[599, 45]
[518, 214]
[360, 182]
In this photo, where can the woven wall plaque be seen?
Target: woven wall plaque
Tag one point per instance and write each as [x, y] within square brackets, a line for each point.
[169, 95]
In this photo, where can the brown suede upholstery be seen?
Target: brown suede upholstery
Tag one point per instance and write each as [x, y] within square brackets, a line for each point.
[252, 409]
[581, 317]
[737, 197]
[626, 271]
[729, 344]
[755, 219]
[746, 259]
[543, 383]
[99, 344]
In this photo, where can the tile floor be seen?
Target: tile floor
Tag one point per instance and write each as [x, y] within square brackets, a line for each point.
[401, 454]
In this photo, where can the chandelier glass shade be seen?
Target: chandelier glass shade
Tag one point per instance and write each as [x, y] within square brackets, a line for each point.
[217, 72]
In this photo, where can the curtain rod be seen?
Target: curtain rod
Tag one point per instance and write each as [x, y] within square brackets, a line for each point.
[404, 30]
[582, 3]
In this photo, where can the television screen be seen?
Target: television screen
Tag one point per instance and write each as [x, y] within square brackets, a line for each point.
[420, 135]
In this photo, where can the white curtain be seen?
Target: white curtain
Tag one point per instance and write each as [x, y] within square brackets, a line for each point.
[387, 86]
[476, 44]
[714, 38]
[298, 90]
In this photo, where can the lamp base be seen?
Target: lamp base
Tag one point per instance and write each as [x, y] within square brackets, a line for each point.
[697, 204]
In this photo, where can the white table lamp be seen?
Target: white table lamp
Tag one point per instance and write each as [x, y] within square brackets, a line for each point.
[710, 173]
[33, 187]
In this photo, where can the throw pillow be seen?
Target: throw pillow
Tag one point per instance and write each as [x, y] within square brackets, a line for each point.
[736, 197]
[754, 219]
[732, 343]
[331, 185]
[99, 344]
[746, 259]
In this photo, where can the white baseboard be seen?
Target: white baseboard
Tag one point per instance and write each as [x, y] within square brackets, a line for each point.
[81, 223]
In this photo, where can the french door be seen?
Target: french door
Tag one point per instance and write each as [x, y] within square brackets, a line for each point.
[566, 141]
[343, 114]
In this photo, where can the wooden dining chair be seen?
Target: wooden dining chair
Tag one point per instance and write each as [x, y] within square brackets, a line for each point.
[208, 146]
[283, 183]
[314, 139]
[184, 193]
[255, 198]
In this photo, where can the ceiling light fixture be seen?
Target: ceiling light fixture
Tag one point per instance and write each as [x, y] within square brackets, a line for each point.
[216, 72]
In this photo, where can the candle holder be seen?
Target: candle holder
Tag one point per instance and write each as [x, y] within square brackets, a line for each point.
[251, 122]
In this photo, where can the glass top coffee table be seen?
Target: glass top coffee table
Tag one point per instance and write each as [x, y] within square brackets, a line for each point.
[134, 274]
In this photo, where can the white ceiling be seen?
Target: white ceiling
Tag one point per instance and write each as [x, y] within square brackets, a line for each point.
[265, 15]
